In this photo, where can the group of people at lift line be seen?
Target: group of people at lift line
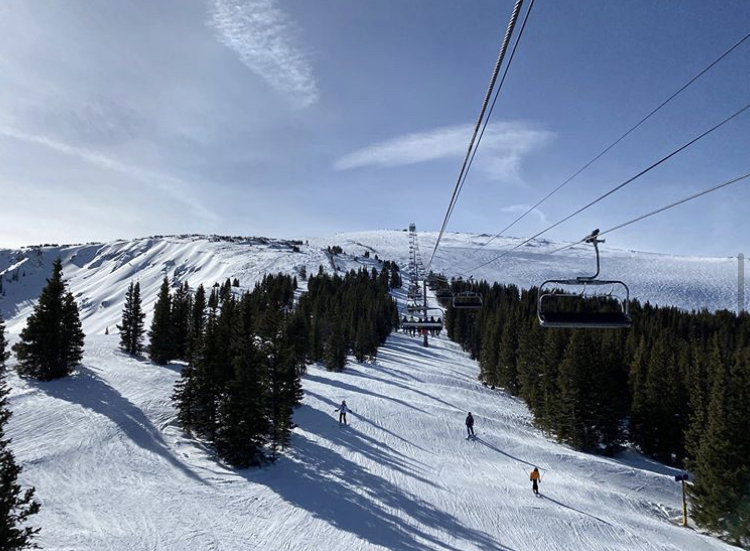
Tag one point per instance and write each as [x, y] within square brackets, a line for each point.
[534, 476]
[414, 331]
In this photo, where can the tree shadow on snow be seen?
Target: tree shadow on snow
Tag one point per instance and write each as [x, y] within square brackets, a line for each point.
[317, 422]
[417, 349]
[352, 388]
[360, 417]
[350, 498]
[632, 458]
[144, 359]
[402, 386]
[88, 390]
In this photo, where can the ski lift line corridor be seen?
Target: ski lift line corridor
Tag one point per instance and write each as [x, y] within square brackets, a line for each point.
[424, 324]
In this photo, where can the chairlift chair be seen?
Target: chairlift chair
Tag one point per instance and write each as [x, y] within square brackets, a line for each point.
[467, 300]
[415, 308]
[424, 323]
[555, 298]
[444, 293]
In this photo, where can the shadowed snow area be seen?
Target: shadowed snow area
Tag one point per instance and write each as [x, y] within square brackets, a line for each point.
[113, 471]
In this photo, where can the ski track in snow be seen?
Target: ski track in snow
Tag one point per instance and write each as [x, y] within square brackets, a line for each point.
[113, 471]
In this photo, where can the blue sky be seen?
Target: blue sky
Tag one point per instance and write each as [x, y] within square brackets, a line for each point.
[299, 117]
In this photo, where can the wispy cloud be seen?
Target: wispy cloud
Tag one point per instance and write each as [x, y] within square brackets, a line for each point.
[502, 148]
[175, 188]
[519, 209]
[262, 35]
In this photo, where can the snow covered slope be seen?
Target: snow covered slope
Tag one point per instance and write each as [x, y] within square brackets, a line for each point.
[113, 471]
[689, 282]
[99, 274]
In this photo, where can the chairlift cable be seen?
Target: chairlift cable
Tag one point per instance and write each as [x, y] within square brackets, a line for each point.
[659, 210]
[618, 140]
[616, 188]
[494, 100]
[495, 72]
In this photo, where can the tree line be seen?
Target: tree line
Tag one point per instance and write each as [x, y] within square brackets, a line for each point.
[676, 386]
[245, 352]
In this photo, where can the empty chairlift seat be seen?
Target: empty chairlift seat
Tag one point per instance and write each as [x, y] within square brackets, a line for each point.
[588, 308]
[467, 300]
[585, 302]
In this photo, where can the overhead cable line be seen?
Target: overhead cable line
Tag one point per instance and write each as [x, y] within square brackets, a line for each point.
[495, 72]
[658, 211]
[617, 141]
[616, 188]
[494, 101]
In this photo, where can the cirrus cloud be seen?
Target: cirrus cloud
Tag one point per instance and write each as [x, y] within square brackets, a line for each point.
[262, 36]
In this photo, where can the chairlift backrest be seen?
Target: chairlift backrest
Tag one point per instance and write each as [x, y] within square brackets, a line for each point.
[467, 300]
[556, 297]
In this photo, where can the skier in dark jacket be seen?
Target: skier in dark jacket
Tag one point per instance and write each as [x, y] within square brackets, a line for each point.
[342, 409]
[470, 425]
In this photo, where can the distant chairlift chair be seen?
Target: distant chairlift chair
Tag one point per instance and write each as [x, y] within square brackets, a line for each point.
[467, 300]
[553, 304]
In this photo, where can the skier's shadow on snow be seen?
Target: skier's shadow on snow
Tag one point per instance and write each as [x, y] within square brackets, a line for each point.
[544, 496]
[90, 391]
[498, 450]
[348, 496]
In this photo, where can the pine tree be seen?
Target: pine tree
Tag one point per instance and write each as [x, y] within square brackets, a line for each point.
[16, 505]
[242, 425]
[131, 328]
[717, 490]
[197, 322]
[180, 319]
[506, 363]
[4, 354]
[52, 342]
[160, 346]
[334, 350]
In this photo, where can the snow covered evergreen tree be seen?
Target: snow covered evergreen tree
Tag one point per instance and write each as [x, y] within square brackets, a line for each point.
[180, 319]
[52, 342]
[131, 328]
[160, 348]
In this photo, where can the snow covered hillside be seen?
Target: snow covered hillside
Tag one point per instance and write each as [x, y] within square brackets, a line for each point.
[113, 471]
[98, 274]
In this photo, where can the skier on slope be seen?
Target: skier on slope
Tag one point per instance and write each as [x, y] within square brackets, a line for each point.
[342, 409]
[470, 425]
[536, 479]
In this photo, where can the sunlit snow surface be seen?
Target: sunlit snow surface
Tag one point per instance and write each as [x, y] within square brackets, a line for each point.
[113, 471]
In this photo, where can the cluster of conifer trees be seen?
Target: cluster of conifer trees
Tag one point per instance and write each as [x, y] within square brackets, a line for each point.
[349, 314]
[676, 385]
[246, 351]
